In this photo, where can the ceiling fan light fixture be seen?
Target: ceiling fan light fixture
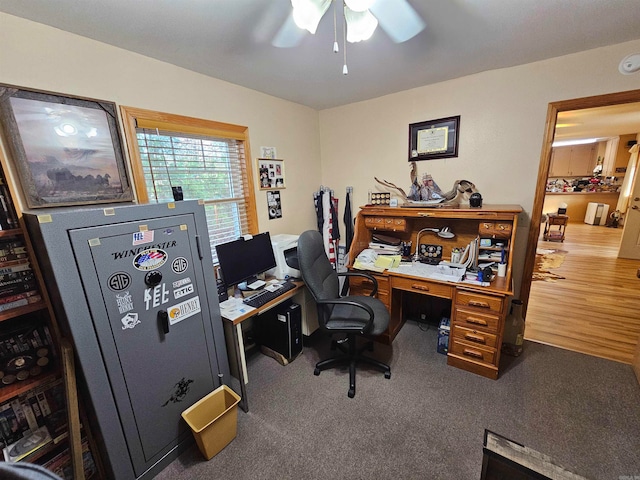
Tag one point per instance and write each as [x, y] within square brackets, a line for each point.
[359, 5]
[307, 13]
[360, 25]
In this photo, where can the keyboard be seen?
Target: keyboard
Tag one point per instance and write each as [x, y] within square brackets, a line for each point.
[265, 296]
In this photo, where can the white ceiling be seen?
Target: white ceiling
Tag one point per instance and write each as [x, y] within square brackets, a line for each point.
[600, 123]
[230, 40]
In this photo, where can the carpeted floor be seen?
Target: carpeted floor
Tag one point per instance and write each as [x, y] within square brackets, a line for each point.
[428, 420]
[546, 260]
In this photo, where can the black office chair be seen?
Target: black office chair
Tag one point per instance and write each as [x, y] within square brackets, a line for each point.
[354, 315]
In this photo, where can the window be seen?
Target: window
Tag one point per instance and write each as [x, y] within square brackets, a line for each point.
[209, 160]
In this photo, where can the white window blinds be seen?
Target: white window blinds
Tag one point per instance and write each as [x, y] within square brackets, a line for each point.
[207, 168]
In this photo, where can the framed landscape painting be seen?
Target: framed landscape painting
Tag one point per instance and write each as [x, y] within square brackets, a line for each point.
[67, 150]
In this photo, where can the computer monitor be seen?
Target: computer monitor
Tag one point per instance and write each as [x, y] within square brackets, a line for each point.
[241, 260]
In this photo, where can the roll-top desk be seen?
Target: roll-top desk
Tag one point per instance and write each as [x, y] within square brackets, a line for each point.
[477, 312]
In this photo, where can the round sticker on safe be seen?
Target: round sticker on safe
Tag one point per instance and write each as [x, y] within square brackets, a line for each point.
[150, 259]
[179, 265]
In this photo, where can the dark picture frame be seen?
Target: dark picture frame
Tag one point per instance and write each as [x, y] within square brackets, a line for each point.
[434, 139]
[67, 150]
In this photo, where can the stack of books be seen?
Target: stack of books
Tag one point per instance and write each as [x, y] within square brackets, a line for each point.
[33, 420]
[18, 284]
[385, 245]
[383, 249]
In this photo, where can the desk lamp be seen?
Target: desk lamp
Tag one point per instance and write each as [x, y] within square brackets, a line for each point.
[441, 232]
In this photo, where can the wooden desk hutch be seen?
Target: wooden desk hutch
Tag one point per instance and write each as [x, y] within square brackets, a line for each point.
[477, 313]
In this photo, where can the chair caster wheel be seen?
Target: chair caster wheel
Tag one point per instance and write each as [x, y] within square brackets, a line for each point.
[387, 374]
[351, 393]
[316, 372]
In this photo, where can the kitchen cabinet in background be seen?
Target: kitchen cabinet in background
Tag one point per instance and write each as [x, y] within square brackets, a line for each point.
[573, 161]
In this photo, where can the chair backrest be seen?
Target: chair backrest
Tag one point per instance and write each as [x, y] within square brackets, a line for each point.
[318, 274]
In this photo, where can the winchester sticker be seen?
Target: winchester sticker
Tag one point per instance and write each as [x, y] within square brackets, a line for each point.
[150, 259]
[183, 292]
[156, 296]
[140, 238]
[130, 320]
[137, 251]
[182, 281]
[179, 265]
[119, 281]
[125, 302]
[183, 310]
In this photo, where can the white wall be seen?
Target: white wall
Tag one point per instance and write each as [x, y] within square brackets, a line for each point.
[40, 57]
[503, 114]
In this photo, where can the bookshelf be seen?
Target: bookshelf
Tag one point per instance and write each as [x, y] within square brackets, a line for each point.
[33, 368]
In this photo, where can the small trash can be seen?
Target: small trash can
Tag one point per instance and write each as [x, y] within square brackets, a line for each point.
[214, 420]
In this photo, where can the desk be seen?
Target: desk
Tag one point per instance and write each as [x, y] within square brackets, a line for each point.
[235, 338]
[477, 312]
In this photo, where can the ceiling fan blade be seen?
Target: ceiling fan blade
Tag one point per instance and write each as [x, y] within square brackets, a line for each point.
[289, 35]
[398, 19]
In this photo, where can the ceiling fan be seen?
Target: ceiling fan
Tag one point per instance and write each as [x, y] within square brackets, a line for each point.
[396, 17]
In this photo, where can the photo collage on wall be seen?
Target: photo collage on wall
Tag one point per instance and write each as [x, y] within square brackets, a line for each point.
[271, 173]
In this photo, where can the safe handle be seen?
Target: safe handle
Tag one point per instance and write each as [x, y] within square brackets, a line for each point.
[163, 318]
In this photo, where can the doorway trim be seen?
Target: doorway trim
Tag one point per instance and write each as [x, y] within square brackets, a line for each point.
[630, 96]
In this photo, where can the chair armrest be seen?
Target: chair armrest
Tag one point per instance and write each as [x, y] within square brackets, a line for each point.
[363, 274]
[340, 301]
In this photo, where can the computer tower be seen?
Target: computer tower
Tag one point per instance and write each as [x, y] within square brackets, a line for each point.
[280, 329]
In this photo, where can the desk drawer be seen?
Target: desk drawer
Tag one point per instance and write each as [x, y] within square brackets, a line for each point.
[478, 300]
[495, 229]
[390, 224]
[474, 336]
[474, 320]
[473, 352]
[422, 286]
[364, 286]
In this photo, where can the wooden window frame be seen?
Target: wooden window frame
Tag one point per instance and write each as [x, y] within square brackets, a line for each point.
[133, 118]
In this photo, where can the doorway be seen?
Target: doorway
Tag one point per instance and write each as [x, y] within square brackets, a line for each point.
[630, 336]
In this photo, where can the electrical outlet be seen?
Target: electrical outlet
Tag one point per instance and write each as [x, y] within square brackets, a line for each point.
[423, 316]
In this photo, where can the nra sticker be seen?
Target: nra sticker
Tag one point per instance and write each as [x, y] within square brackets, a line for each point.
[183, 291]
[179, 265]
[150, 259]
[119, 281]
[184, 310]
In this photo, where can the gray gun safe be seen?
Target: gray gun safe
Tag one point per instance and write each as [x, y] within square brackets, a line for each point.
[133, 288]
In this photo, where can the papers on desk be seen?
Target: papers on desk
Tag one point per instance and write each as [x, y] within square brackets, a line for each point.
[234, 308]
[434, 272]
[369, 259]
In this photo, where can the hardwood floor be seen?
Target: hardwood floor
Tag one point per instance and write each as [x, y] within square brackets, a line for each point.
[595, 309]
